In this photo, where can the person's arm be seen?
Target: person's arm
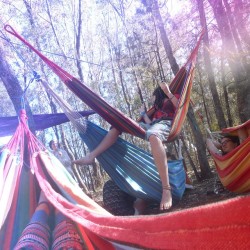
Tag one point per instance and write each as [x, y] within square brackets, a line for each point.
[164, 86]
[213, 146]
[144, 115]
[242, 134]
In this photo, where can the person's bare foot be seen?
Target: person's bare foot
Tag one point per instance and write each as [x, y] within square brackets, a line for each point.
[87, 160]
[166, 200]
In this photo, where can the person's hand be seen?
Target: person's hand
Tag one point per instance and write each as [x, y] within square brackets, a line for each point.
[164, 86]
[142, 109]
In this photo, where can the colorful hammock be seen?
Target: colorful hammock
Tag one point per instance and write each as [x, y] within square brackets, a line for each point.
[133, 169]
[221, 225]
[234, 167]
[182, 84]
[9, 124]
[18, 185]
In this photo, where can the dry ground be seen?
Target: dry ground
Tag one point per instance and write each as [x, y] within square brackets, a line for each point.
[201, 194]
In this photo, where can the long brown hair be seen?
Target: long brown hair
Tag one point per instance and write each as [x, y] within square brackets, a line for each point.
[159, 97]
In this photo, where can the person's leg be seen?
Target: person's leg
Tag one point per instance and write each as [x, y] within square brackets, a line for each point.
[107, 142]
[65, 234]
[139, 206]
[37, 233]
[160, 158]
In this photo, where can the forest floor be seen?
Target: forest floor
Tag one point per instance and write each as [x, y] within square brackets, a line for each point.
[201, 194]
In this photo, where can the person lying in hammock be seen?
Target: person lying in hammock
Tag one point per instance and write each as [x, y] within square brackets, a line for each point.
[158, 129]
[227, 143]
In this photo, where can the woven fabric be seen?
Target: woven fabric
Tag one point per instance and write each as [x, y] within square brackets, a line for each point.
[65, 236]
[35, 236]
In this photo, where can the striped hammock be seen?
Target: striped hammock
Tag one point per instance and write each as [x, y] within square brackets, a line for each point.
[234, 167]
[133, 169]
[182, 84]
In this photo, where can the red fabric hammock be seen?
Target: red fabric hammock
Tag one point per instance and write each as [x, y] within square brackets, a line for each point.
[182, 84]
[216, 226]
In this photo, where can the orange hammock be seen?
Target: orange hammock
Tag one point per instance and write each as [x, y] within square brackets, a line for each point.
[234, 167]
[181, 84]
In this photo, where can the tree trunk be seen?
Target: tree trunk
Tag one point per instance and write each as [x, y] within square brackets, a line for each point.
[241, 58]
[225, 92]
[241, 81]
[74, 167]
[14, 90]
[53, 29]
[78, 42]
[190, 160]
[240, 21]
[157, 15]
[208, 66]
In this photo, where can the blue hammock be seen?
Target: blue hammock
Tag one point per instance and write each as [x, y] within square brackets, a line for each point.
[132, 168]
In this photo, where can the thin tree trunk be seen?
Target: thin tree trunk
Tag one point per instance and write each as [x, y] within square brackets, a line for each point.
[240, 9]
[74, 167]
[209, 70]
[53, 28]
[241, 57]
[121, 14]
[190, 160]
[168, 49]
[204, 102]
[225, 93]
[78, 41]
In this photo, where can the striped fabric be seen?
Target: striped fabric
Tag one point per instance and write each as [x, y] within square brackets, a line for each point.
[182, 83]
[18, 193]
[234, 167]
[34, 236]
[65, 236]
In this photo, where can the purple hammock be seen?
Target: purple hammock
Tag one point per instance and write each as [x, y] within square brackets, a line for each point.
[9, 124]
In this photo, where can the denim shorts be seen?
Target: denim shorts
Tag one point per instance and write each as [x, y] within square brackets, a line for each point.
[160, 129]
